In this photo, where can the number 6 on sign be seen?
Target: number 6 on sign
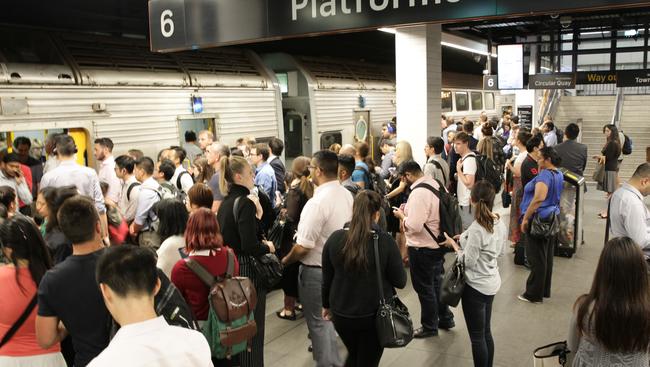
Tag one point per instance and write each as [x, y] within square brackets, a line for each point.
[166, 23]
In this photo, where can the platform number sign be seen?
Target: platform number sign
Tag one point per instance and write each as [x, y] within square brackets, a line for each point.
[168, 24]
[490, 82]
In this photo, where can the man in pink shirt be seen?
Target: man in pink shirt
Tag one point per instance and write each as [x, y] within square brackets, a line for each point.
[421, 222]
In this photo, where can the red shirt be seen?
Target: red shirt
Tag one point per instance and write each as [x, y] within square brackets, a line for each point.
[27, 175]
[13, 302]
[191, 287]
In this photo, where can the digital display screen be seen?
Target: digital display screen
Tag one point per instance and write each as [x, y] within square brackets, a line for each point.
[511, 66]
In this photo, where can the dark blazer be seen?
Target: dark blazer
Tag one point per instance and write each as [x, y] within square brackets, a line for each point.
[574, 156]
[280, 171]
[242, 236]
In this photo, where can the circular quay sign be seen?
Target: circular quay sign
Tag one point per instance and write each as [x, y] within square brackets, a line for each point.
[176, 25]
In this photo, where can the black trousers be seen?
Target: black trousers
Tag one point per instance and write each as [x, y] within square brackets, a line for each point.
[360, 338]
[477, 309]
[426, 266]
[539, 252]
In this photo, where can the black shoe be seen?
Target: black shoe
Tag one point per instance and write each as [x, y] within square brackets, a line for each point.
[424, 333]
[447, 325]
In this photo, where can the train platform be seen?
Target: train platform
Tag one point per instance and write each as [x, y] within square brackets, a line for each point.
[517, 327]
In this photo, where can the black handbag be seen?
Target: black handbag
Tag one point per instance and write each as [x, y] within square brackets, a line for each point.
[543, 228]
[393, 322]
[453, 283]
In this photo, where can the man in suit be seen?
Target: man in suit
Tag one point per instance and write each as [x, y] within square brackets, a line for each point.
[574, 154]
[277, 146]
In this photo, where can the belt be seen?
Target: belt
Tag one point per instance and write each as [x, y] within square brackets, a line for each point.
[312, 266]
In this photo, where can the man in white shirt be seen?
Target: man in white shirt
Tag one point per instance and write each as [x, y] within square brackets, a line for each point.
[326, 212]
[128, 280]
[629, 216]
[182, 179]
[124, 166]
[466, 169]
[104, 155]
[550, 135]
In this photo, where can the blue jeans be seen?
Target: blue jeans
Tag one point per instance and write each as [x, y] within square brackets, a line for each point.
[426, 266]
[477, 309]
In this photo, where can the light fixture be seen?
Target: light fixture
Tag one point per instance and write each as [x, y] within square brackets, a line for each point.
[387, 30]
[467, 49]
[197, 104]
[630, 32]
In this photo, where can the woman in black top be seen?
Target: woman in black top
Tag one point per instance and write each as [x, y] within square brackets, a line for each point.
[236, 182]
[48, 203]
[350, 289]
[609, 157]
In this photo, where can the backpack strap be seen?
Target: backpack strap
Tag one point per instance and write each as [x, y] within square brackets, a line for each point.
[131, 187]
[439, 167]
[21, 320]
[437, 193]
[178, 179]
[235, 209]
[230, 269]
[200, 272]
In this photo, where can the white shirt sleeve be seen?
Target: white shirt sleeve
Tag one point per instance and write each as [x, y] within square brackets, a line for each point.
[309, 227]
[469, 165]
[634, 222]
[186, 182]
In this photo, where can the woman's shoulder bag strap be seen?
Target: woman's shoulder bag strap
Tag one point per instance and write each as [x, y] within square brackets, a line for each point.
[380, 283]
[21, 320]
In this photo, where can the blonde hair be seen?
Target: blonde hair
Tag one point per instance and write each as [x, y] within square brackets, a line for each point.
[486, 147]
[403, 152]
[229, 167]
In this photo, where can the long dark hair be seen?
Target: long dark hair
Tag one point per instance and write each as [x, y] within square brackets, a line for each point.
[483, 197]
[24, 239]
[366, 204]
[173, 218]
[613, 137]
[618, 304]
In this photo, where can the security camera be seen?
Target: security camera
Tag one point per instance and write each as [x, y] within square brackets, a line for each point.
[565, 21]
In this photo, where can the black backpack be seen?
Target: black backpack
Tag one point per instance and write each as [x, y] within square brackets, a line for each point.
[450, 221]
[377, 184]
[487, 170]
[170, 304]
[627, 145]
[131, 187]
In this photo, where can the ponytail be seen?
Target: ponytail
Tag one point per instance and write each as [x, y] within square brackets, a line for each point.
[483, 198]
[230, 166]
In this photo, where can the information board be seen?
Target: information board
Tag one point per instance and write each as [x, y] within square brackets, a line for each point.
[511, 66]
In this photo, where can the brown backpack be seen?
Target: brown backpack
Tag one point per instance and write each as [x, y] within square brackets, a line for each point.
[231, 325]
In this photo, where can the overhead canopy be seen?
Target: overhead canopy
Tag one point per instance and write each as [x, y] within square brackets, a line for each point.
[190, 24]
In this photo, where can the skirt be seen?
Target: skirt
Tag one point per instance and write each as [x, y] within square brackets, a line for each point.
[254, 358]
[609, 184]
[514, 234]
[41, 360]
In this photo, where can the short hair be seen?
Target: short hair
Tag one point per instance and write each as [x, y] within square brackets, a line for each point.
[203, 232]
[523, 136]
[55, 197]
[362, 148]
[221, 148]
[11, 157]
[7, 195]
[105, 142]
[128, 271]
[572, 131]
[125, 162]
[167, 168]
[263, 150]
[277, 146]
[411, 167]
[534, 142]
[436, 143]
[515, 120]
[190, 136]
[77, 218]
[22, 140]
[208, 133]
[328, 163]
[65, 145]
[642, 171]
[462, 137]
[552, 155]
[180, 153]
[146, 164]
[200, 195]
[135, 154]
[347, 162]
[468, 126]
[550, 125]
[172, 216]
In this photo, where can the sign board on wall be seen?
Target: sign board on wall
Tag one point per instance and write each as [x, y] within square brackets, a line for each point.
[511, 66]
[189, 24]
[525, 116]
[633, 78]
[596, 77]
[552, 81]
[490, 82]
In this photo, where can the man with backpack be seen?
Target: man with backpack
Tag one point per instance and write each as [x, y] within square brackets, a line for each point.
[128, 280]
[361, 174]
[436, 167]
[466, 170]
[182, 179]
[421, 221]
[346, 168]
[124, 166]
[163, 174]
[142, 228]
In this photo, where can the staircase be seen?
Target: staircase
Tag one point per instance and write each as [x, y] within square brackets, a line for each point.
[595, 112]
[636, 124]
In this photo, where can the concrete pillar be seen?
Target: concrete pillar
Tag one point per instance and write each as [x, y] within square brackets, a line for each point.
[418, 69]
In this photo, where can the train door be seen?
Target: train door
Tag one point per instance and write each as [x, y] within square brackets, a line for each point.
[37, 138]
[196, 125]
[293, 134]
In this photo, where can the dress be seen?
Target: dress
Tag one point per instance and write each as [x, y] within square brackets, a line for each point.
[514, 234]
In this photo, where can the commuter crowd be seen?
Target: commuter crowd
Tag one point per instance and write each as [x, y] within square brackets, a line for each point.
[168, 260]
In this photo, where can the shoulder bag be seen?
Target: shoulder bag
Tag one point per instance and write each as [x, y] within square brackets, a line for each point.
[453, 283]
[21, 320]
[542, 228]
[552, 355]
[268, 268]
[393, 322]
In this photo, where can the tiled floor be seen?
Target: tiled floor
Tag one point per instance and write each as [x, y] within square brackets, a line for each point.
[517, 327]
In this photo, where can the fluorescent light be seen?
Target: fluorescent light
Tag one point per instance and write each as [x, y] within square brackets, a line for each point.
[387, 30]
[630, 32]
[545, 68]
[467, 49]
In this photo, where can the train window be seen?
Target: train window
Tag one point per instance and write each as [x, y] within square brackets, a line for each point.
[445, 96]
[489, 101]
[29, 47]
[462, 104]
[477, 101]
